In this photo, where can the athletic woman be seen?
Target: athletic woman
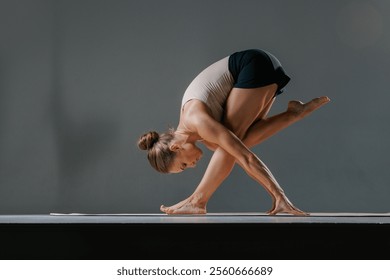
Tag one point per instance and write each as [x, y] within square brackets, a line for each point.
[226, 108]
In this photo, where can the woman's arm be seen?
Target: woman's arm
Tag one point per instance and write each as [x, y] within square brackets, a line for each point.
[216, 133]
[231, 149]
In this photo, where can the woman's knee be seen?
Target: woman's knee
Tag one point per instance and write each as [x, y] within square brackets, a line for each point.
[246, 106]
[239, 129]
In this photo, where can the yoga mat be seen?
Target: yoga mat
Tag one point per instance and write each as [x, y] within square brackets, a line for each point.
[314, 214]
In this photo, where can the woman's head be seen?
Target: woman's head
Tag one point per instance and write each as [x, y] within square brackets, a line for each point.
[168, 153]
[157, 145]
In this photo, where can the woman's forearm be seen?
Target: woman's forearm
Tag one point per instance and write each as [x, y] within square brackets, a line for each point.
[256, 169]
[219, 167]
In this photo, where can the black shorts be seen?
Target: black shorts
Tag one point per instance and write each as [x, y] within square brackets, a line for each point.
[256, 68]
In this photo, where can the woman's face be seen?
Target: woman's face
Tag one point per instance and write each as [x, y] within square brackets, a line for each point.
[187, 156]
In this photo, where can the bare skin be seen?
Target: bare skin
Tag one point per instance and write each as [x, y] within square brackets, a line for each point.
[239, 132]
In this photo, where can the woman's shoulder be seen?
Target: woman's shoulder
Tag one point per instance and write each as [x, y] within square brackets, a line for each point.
[195, 109]
[195, 117]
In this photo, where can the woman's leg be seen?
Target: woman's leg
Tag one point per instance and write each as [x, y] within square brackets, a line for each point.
[221, 162]
[245, 106]
[265, 127]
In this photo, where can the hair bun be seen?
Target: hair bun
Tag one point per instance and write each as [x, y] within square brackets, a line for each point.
[147, 141]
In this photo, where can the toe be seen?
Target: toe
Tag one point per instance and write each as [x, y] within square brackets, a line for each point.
[324, 99]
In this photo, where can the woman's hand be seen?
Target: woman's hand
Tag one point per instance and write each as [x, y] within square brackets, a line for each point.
[283, 205]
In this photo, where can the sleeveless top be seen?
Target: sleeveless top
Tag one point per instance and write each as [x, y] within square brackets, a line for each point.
[212, 86]
[250, 68]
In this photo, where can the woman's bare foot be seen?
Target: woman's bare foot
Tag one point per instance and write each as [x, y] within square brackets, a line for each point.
[301, 110]
[187, 206]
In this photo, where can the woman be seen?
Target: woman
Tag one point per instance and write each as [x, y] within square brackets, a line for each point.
[225, 107]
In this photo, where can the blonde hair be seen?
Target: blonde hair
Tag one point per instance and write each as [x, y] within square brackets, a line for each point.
[160, 155]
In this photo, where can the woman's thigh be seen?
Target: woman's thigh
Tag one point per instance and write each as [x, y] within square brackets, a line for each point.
[244, 106]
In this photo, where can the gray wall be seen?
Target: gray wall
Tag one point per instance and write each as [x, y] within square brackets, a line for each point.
[81, 80]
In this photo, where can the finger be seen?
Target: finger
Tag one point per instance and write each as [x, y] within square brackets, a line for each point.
[300, 213]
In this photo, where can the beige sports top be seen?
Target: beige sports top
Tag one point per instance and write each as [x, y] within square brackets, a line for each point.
[212, 86]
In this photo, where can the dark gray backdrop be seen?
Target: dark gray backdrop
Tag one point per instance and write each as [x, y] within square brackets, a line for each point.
[81, 80]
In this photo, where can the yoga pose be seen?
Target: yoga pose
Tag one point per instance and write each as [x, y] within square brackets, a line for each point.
[225, 107]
